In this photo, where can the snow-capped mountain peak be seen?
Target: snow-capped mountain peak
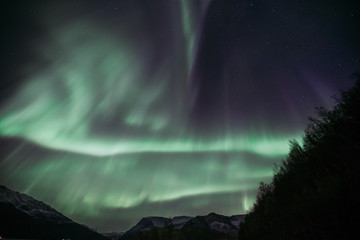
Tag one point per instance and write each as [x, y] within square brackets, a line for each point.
[182, 226]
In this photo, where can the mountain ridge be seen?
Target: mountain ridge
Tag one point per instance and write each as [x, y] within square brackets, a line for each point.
[25, 217]
[211, 226]
[22, 216]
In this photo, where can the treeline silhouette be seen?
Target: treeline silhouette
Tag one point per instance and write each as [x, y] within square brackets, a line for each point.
[314, 193]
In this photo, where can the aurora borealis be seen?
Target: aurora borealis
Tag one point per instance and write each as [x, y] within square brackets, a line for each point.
[115, 110]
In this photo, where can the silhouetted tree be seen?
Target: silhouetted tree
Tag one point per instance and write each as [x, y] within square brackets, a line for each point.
[313, 194]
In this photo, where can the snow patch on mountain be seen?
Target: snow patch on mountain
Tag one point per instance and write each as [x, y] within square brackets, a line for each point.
[179, 222]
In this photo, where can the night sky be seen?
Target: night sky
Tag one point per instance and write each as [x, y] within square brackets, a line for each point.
[115, 110]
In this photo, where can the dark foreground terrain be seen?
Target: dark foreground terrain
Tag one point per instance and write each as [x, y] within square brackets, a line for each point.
[314, 193]
[23, 217]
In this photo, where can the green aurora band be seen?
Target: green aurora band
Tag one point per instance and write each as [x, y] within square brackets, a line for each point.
[109, 138]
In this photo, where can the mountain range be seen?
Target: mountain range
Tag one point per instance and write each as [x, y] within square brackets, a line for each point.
[25, 217]
[210, 227]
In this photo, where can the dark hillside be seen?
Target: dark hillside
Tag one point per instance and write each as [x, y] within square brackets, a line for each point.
[313, 194]
[24, 217]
